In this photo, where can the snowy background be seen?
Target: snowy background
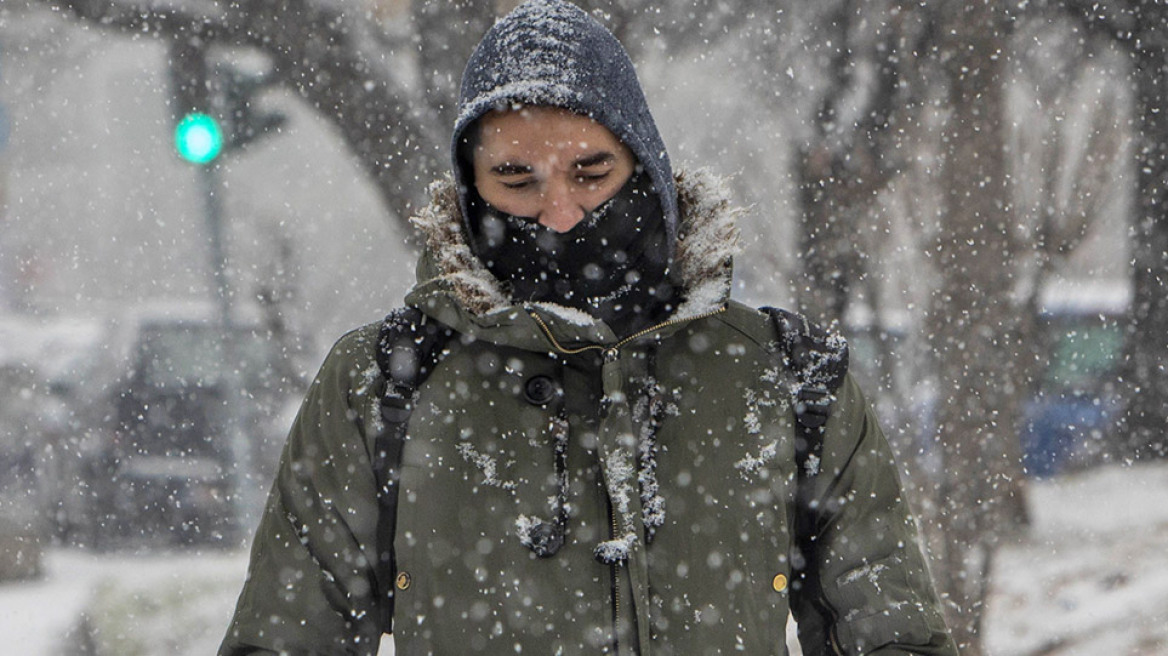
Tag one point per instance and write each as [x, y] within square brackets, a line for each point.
[102, 225]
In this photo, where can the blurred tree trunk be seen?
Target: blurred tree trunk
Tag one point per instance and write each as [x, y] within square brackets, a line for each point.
[973, 322]
[849, 158]
[865, 132]
[8, 266]
[830, 251]
[443, 51]
[1143, 431]
[828, 246]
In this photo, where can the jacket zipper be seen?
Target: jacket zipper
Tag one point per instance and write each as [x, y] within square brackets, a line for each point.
[611, 353]
[616, 586]
[616, 347]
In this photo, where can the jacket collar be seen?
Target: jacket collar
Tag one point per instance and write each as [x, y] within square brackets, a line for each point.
[455, 287]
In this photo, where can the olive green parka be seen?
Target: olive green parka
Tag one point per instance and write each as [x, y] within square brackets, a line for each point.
[679, 468]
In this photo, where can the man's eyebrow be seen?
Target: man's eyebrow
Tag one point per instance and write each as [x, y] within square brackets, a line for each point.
[603, 157]
[507, 168]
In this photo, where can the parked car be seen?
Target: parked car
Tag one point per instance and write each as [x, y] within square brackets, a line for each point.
[124, 438]
[164, 468]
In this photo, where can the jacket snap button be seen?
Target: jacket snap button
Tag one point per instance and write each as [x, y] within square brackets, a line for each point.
[779, 583]
[539, 390]
[404, 581]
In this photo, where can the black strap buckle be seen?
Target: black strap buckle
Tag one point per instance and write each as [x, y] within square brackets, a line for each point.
[813, 406]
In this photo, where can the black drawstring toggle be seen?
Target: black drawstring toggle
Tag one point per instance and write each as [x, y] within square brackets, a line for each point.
[545, 538]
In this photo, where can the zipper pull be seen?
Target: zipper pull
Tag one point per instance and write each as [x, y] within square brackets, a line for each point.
[611, 381]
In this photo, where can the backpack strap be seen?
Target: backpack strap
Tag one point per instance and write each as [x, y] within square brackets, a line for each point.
[818, 359]
[409, 346]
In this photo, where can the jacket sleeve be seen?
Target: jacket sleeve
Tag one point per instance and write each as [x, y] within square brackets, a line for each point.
[868, 589]
[310, 586]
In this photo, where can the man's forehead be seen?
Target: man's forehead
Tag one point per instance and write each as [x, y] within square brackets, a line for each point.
[559, 140]
[564, 143]
[519, 134]
[546, 117]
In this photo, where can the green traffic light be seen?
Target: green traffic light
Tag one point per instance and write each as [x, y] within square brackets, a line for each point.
[198, 138]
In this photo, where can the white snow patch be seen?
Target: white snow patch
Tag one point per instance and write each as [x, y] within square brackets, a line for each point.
[523, 526]
[486, 464]
[870, 572]
[752, 422]
[567, 314]
[1093, 296]
[751, 464]
[616, 550]
[368, 378]
[647, 411]
[618, 470]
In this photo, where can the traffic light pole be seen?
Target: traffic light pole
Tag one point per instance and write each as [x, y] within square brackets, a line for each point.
[244, 495]
[214, 117]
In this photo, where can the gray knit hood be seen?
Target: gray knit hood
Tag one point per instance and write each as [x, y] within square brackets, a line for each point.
[550, 52]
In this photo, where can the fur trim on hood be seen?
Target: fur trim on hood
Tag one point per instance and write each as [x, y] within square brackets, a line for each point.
[708, 240]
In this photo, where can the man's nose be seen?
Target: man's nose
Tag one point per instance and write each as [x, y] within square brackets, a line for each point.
[559, 210]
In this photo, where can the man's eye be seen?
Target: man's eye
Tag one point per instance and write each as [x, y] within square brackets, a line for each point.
[591, 177]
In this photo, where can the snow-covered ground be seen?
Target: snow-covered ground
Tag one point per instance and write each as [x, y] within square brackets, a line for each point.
[180, 601]
[1092, 578]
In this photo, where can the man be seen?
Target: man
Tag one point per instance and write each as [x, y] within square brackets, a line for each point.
[604, 458]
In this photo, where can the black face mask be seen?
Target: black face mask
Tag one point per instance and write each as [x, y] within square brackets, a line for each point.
[613, 264]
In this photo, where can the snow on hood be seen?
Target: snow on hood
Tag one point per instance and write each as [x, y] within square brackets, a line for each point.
[552, 53]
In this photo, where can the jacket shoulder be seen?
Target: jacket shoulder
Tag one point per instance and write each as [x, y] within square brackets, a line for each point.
[751, 323]
[358, 342]
[351, 363]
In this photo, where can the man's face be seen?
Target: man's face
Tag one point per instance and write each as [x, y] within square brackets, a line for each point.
[548, 164]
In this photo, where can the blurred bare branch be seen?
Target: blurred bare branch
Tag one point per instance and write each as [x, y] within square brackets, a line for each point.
[329, 57]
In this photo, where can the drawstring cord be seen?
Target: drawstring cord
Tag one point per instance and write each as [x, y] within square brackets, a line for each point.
[544, 538]
[648, 412]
